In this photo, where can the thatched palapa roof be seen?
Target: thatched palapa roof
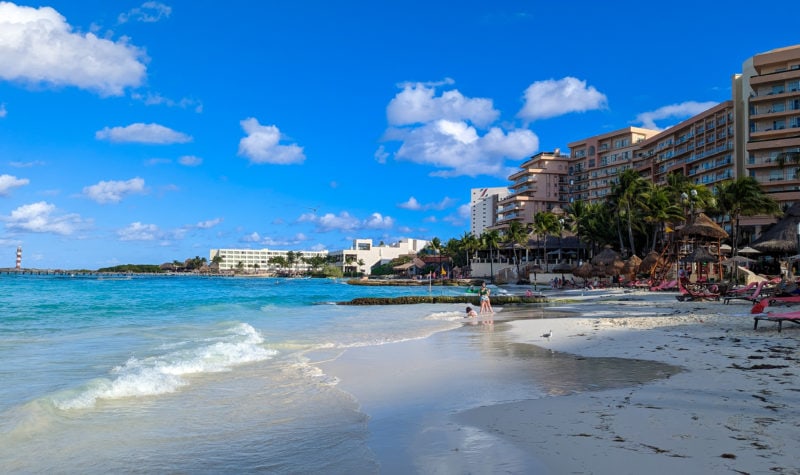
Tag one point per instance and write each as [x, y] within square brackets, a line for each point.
[703, 226]
[700, 254]
[606, 257]
[650, 260]
[782, 237]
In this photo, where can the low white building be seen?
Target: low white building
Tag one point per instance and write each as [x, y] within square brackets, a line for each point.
[260, 260]
[364, 254]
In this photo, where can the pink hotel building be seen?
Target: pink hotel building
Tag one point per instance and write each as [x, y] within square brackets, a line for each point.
[756, 133]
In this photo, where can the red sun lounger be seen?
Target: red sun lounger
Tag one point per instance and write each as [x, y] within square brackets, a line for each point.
[793, 317]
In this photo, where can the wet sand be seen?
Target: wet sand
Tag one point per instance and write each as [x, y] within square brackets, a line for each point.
[633, 381]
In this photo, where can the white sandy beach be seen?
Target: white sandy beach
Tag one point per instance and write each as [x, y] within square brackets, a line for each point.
[735, 407]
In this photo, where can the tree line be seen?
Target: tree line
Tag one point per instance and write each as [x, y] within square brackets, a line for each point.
[633, 218]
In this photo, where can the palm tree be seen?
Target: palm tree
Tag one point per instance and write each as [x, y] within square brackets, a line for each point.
[659, 209]
[594, 222]
[578, 214]
[743, 197]
[216, 260]
[545, 224]
[360, 264]
[627, 193]
[469, 243]
[516, 234]
[490, 240]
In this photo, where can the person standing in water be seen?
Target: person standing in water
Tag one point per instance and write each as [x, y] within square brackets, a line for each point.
[486, 303]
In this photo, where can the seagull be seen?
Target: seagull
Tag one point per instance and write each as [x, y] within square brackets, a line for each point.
[548, 334]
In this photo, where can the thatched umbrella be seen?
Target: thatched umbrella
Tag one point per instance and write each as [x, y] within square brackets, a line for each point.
[631, 267]
[737, 260]
[629, 270]
[606, 257]
[650, 261]
[535, 269]
[599, 270]
[615, 268]
[583, 271]
[700, 255]
[703, 226]
[782, 237]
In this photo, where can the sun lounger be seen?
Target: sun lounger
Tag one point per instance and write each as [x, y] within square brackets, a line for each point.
[742, 290]
[793, 317]
[762, 304]
[697, 293]
[665, 285]
[761, 290]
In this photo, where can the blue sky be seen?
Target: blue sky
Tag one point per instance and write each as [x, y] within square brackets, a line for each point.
[143, 132]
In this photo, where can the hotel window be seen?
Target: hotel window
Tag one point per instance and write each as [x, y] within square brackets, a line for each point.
[777, 107]
[793, 86]
[776, 90]
[778, 124]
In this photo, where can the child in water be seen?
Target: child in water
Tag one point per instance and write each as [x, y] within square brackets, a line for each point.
[471, 312]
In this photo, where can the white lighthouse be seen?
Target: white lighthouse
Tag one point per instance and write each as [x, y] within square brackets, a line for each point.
[19, 258]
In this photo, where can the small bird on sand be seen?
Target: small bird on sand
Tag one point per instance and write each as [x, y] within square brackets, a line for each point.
[548, 334]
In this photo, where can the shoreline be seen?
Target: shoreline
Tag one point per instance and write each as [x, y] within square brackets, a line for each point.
[732, 409]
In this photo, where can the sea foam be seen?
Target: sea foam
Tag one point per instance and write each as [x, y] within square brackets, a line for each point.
[162, 374]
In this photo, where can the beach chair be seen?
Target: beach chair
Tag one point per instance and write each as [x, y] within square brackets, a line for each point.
[762, 304]
[761, 291]
[793, 317]
[688, 294]
[665, 285]
[741, 290]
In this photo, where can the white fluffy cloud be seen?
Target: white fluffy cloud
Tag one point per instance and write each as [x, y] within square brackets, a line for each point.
[458, 149]
[267, 241]
[262, 145]
[452, 133]
[113, 191]
[417, 103]
[414, 205]
[9, 182]
[190, 161]
[142, 133]
[552, 98]
[139, 232]
[346, 222]
[148, 12]
[38, 46]
[208, 224]
[673, 111]
[43, 217]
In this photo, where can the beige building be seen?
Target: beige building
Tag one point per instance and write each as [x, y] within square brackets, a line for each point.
[756, 133]
[701, 148]
[541, 184]
[770, 88]
[597, 161]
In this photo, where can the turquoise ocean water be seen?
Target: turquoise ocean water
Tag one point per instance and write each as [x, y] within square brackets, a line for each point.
[229, 375]
[188, 374]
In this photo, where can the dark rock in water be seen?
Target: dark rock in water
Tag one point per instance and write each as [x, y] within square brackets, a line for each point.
[474, 300]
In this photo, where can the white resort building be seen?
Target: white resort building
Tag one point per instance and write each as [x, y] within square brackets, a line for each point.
[364, 255]
[260, 260]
